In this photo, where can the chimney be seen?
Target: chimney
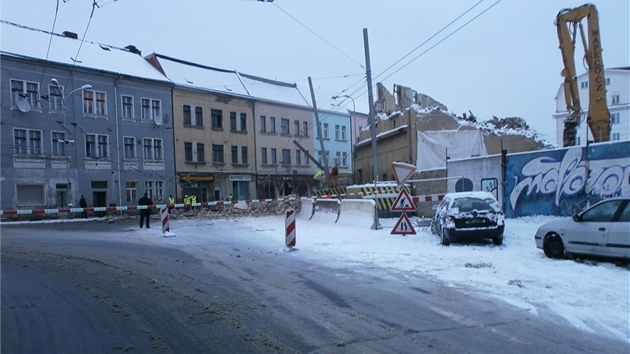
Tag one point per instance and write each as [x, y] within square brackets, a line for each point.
[133, 49]
[70, 35]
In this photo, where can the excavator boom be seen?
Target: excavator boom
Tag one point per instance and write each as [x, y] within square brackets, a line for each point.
[598, 118]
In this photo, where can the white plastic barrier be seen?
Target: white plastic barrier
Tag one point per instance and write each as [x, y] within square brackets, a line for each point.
[357, 212]
[306, 211]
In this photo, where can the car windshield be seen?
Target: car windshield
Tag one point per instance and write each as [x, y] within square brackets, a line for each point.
[470, 203]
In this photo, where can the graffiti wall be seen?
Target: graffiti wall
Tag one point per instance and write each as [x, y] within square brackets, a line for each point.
[565, 181]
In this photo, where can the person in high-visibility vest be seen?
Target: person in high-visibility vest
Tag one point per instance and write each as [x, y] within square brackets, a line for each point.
[186, 201]
[193, 200]
[318, 178]
[171, 201]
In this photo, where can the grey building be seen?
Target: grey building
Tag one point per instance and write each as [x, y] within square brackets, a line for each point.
[81, 118]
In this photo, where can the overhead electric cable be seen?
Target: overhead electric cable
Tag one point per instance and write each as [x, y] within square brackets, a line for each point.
[443, 39]
[320, 37]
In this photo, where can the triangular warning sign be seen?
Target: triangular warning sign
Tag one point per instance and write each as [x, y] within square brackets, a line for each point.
[403, 202]
[403, 226]
[402, 172]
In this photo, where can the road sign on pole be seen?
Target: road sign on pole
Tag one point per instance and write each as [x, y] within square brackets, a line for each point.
[402, 172]
[404, 202]
[403, 226]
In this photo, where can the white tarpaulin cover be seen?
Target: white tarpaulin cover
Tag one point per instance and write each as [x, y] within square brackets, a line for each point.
[433, 147]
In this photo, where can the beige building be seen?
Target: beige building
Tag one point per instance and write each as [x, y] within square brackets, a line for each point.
[235, 132]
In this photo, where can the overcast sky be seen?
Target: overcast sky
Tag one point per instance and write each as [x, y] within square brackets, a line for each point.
[500, 58]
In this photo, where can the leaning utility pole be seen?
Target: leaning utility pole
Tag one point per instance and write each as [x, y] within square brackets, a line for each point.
[371, 117]
[319, 131]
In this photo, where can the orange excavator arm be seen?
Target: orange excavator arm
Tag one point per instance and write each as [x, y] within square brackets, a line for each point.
[568, 21]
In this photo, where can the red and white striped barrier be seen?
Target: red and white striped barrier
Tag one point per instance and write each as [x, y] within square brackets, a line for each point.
[428, 198]
[416, 199]
[289, 224]
[164, 217]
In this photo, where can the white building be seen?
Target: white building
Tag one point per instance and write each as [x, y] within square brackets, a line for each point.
[617, 96]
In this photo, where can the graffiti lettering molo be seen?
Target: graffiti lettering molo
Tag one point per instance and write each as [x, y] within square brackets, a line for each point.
[564, 181]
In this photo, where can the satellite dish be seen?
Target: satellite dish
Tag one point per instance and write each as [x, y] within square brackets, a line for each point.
[24, 105]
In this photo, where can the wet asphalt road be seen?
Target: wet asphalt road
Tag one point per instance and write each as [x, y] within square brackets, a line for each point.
[92, 287]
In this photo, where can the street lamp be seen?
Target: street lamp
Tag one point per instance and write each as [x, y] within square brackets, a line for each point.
[352, 119]
[55, 83]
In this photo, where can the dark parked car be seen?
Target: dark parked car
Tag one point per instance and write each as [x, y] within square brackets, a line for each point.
[468, 215]
[601, 230]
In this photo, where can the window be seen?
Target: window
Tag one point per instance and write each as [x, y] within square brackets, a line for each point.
[607, 81]
[127, 106]
[155, 189]
[94, 102]
[615, 118]
[187, 116]
[325, 131]
[58, 143]
[584, 84]
[130, 147]
[188, 152]
[305, 128]
[243, 121]
[217, 154]
[298, 157]
[96, 146]
[286, 156]
[25, 90]
[131, 191]
[296, 123]
[272, 124]
[233, 121]
[234, 154]
[615, 99]
[338, 157]
[263, 155]
[151, 109]
[263, 124]
[274, 157]
[27, 141]
[616, 136]
[343, 133]
[244, 159]
[201, 153]
[152, 149]
[55, 98]
[284, 126]
[216, 115]
[199, 116]
[156, 109]
[344, 161]
[319, 156]
[337, 132]
[602, 212]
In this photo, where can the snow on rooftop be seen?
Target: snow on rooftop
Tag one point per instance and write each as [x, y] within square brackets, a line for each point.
[21, 41]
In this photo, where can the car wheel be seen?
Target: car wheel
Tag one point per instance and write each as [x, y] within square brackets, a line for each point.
[445, 240]
[498, 240]
[433, 228]
[553, 246]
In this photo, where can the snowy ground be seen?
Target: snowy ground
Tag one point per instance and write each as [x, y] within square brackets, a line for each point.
[591, 295]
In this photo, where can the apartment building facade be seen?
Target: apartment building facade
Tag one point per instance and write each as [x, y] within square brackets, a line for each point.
[96, 124]
[617, 98]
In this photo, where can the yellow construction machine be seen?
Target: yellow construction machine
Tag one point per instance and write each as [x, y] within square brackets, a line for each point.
[568, 21]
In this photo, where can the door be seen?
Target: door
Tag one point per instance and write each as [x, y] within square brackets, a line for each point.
[100, 200]
[590, 233]
[619, 234]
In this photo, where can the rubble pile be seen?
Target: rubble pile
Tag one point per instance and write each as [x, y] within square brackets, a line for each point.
[238, 209]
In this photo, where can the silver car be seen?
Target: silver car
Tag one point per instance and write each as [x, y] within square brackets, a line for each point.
[601, 230]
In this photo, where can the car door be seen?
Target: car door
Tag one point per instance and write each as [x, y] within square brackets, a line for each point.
[589, 233]
[619, 233]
